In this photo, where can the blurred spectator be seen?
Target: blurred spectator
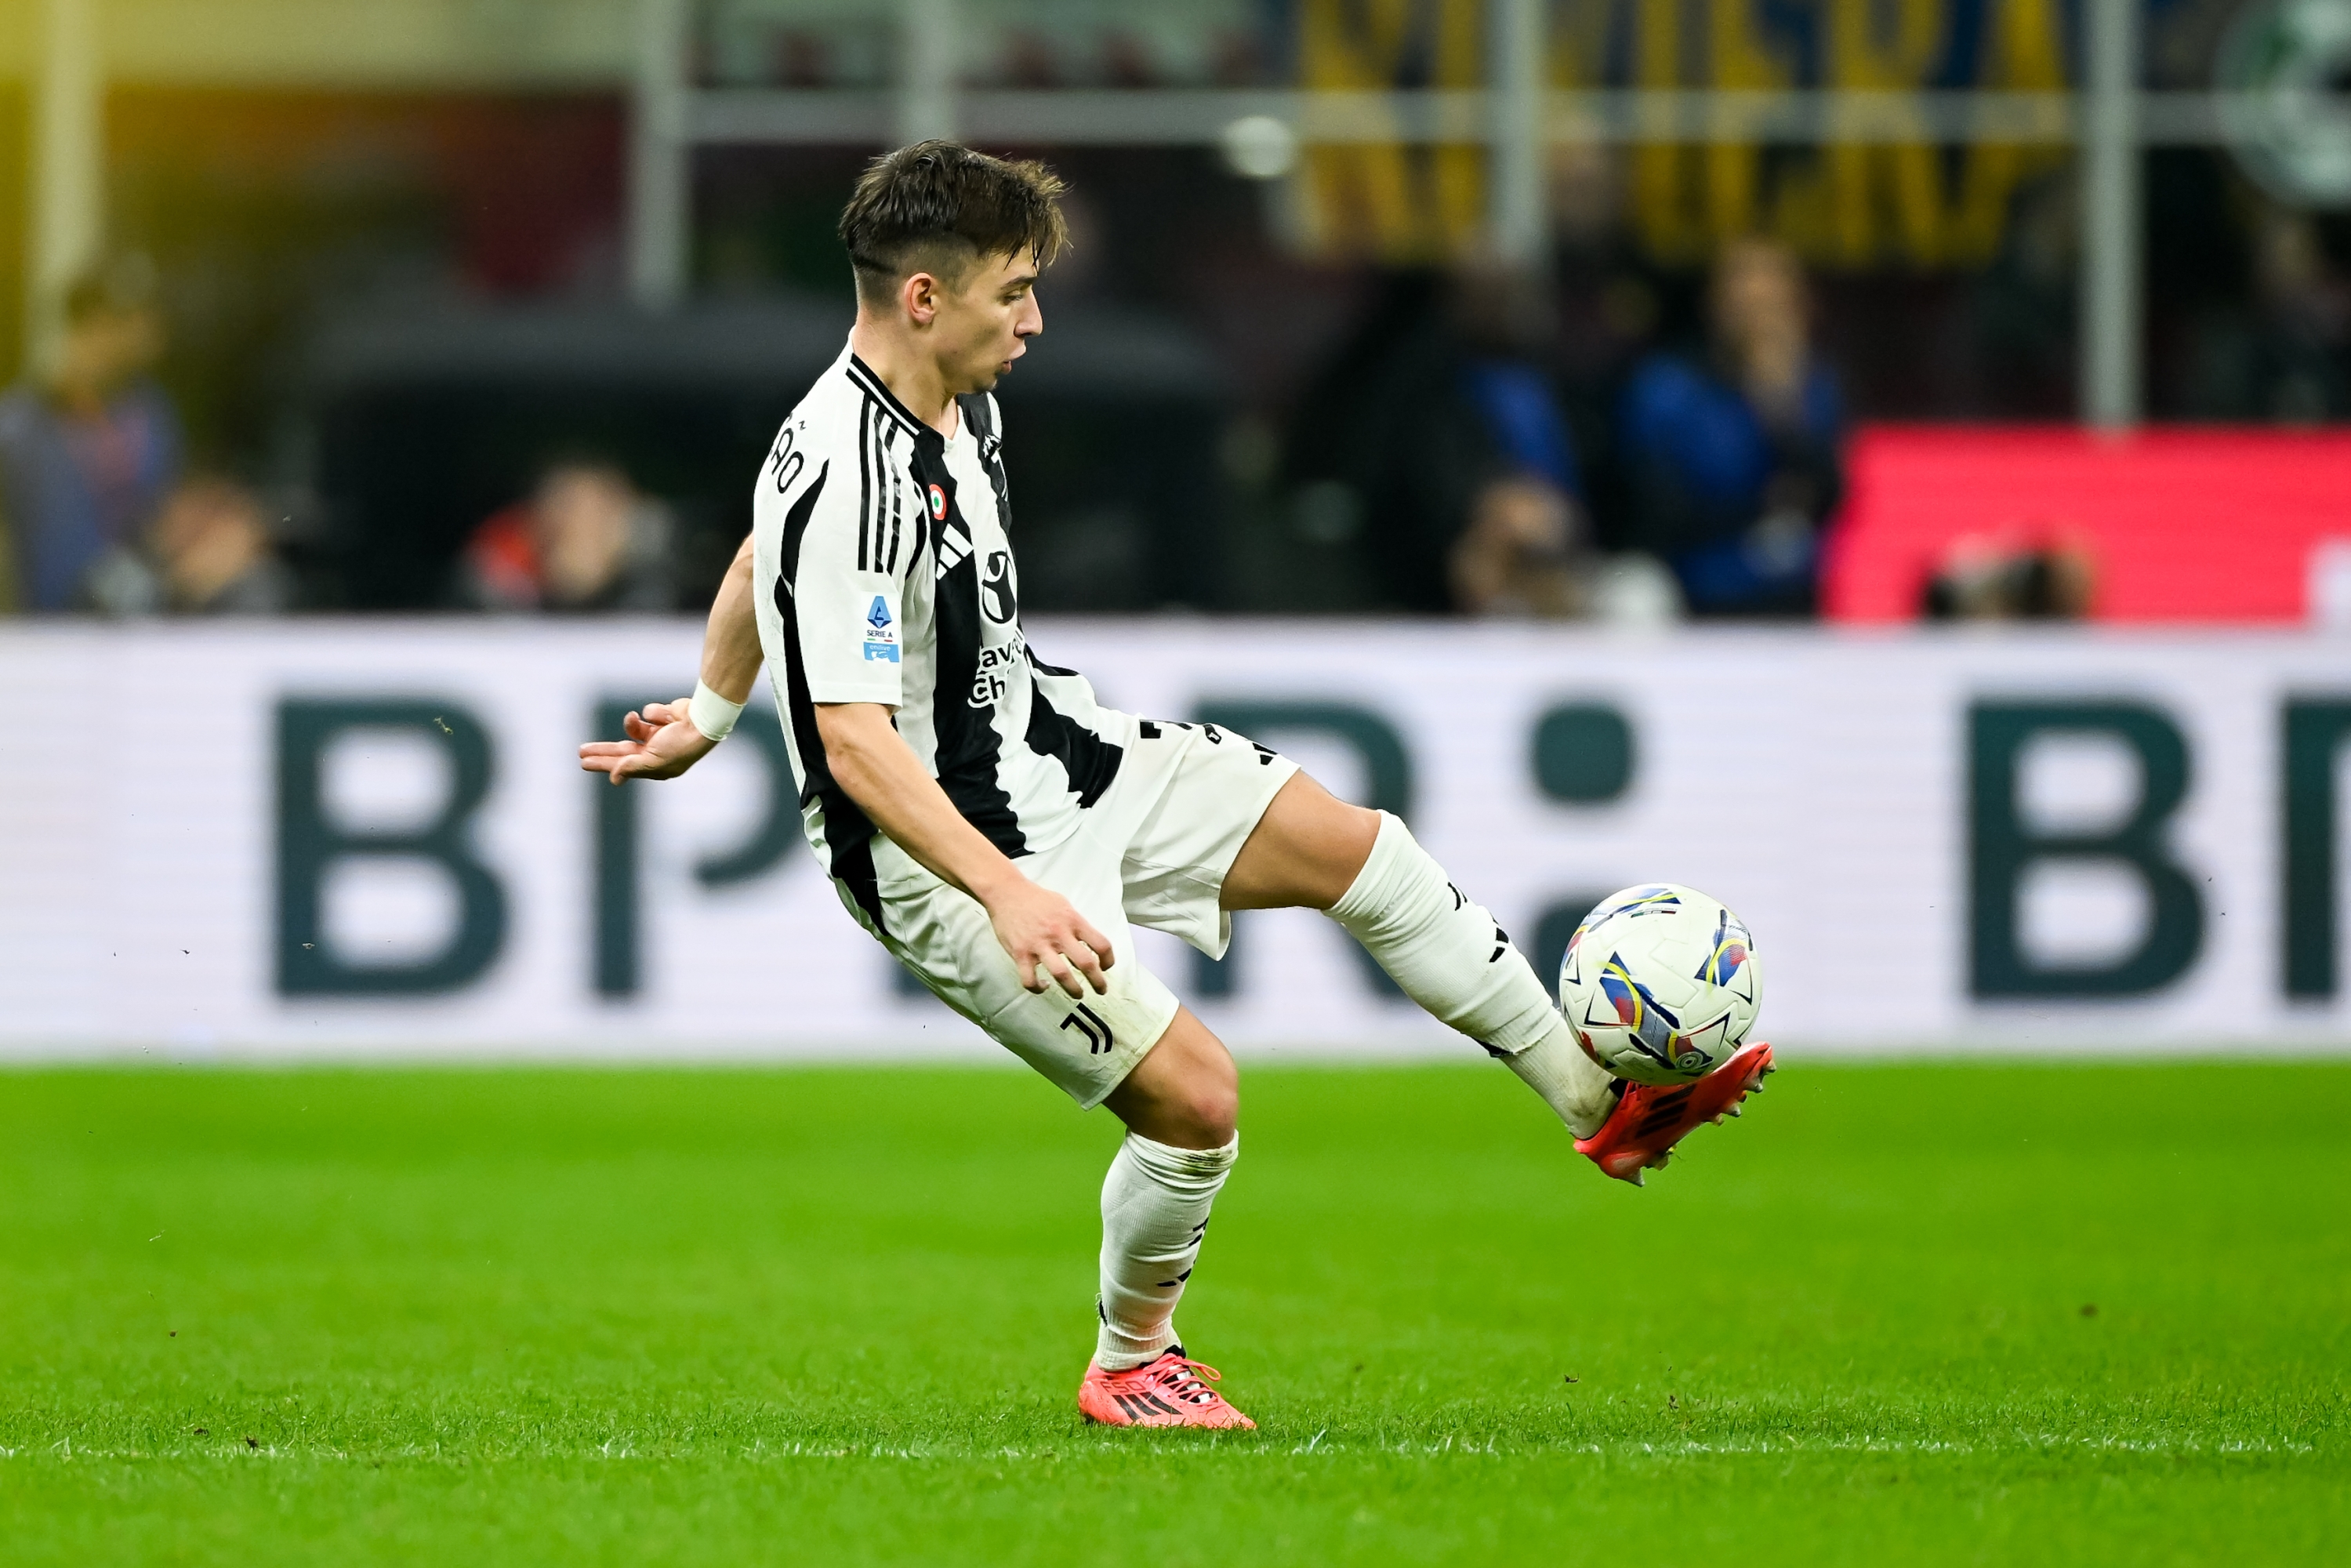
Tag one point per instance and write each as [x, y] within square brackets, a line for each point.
[207, 553]
[585, 541]
[1526, 555]
[1732, 462]
[1609, 301]
[1983, 579]
[1437, 438]
[2282, 360]
[1517, 557]
[2017, 326]
[88, 454]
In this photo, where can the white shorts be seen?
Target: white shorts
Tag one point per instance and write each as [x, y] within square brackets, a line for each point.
[1152, 852]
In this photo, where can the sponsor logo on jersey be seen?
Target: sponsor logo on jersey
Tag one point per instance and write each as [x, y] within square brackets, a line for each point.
[996, 597]
[881, 636]
[991, 679]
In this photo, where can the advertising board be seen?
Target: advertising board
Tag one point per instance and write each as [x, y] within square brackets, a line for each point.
[2212, 525]
[338, 839]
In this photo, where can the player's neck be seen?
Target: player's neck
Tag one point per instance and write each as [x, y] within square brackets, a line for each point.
[913, 376]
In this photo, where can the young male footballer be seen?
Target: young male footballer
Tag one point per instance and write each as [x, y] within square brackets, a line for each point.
[1000, 832]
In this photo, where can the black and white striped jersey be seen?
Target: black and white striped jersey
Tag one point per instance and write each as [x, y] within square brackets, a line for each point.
[883, 573]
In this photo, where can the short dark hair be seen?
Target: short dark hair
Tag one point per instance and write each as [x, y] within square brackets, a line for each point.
[938, 206]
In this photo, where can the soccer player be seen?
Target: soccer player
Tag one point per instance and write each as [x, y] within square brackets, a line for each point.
[999, 833]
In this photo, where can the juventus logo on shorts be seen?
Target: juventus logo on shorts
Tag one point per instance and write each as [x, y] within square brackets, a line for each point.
[1087, 1022]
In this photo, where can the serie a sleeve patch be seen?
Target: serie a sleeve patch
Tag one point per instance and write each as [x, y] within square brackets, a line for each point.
[880, 630]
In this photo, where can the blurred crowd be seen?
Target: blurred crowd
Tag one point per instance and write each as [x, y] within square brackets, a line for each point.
[392, 354]
[99, 511]
[1447, 438]
[1507, 445]
[100, 514]
[1594, 439]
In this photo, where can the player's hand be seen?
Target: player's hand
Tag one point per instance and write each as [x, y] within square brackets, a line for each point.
[663, 743]
[1044, 932]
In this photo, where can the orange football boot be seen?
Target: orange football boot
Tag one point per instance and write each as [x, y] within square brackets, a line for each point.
[1651, 1118]
[1168, 1392]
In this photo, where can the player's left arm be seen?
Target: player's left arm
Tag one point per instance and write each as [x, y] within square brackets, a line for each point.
[663, 742]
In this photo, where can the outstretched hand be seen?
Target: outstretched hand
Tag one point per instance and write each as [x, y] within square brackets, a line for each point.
[1044, 932]
[663, 743]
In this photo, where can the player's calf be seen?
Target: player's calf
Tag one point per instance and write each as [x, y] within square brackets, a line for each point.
[1445, 952]
[1450, 954]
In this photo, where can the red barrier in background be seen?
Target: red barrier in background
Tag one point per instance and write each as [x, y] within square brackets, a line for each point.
[2185, 525]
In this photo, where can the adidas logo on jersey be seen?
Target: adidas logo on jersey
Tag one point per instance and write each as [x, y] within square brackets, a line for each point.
[954, 549]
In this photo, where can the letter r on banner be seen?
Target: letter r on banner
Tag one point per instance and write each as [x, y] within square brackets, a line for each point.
[309, 843]
[2001, 847]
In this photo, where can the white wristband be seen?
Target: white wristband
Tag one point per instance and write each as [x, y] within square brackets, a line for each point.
[711, 714]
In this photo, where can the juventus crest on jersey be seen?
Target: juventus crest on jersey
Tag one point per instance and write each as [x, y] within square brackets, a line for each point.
[883, 573]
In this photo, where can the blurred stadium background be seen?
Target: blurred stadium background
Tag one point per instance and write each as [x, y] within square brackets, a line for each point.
[1545, 416]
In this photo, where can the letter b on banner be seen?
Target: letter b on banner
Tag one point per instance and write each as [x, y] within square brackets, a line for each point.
[2002, 847]
[309, 843]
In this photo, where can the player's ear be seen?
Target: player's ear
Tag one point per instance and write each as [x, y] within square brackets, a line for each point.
[920, 295]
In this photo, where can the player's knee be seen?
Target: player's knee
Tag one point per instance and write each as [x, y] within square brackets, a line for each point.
[1206, 1108]
[1349, 848]
[1216, 1113]
[1185, 1092]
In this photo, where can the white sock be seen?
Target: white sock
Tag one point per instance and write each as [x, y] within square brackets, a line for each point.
[1583, 1092]
[1154, 1207]
[1451, 958]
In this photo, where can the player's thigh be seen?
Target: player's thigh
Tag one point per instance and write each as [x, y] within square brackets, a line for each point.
[1203, 790]
[1305, 851]
[1084, 1045]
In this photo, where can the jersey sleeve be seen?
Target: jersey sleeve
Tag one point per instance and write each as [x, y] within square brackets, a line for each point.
[846, 585]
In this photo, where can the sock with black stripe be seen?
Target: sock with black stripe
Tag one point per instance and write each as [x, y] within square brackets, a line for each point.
[1154, 1206]
[1452, 958]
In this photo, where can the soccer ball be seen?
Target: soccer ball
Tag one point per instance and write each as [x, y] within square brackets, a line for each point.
[1660, 983]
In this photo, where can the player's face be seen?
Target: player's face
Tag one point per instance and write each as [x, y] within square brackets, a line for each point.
[985, 325]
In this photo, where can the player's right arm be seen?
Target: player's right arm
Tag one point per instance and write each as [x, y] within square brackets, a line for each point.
[663, 742]
[1038, 927]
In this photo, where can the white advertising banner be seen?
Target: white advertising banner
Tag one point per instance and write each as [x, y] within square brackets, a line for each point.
[327, 839]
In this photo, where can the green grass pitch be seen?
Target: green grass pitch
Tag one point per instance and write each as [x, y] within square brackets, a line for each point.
[1916, 1314]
